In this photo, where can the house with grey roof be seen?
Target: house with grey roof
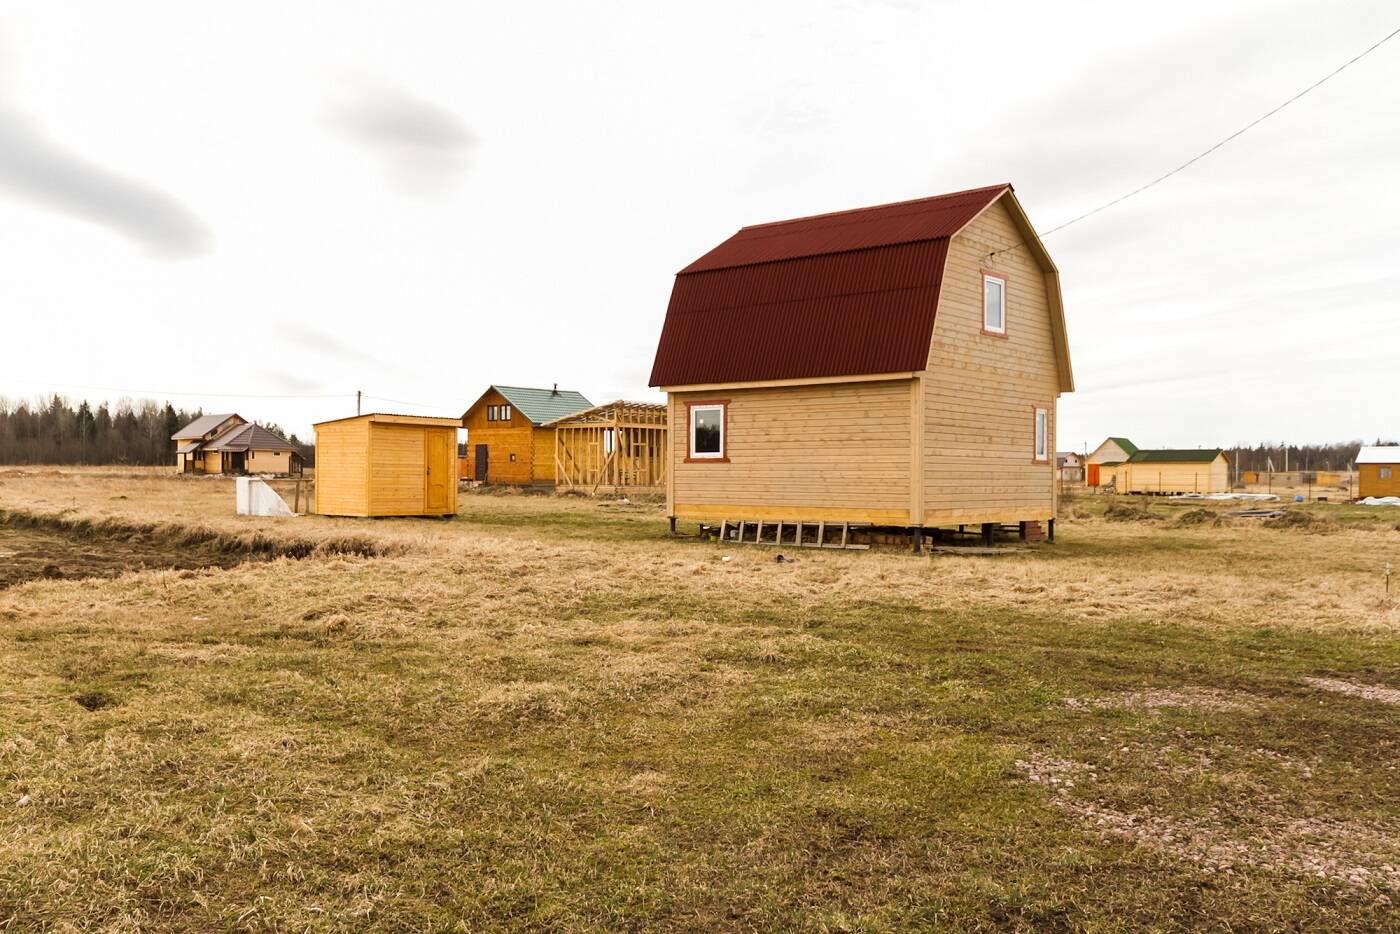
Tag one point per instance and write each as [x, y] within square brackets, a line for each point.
[227, 443]
[507, 441]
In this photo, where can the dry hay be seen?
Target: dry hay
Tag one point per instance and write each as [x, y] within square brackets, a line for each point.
[1299, 521]
[1198, 517]
[1129, 512]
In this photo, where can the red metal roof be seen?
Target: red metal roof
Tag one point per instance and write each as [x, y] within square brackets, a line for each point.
[832, 295]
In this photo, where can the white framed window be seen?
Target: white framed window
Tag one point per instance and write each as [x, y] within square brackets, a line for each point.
[1042, 434]
[993, 303]
[503, 413]
[490, 413]
[1382, 473]
[707, 431]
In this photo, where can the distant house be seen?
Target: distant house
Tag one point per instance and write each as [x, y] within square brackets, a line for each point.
[1204, 470]
[1378, 471]
[1111, 451]
[228, 443]
[506, 440]
[1069, 466]
[895, 365]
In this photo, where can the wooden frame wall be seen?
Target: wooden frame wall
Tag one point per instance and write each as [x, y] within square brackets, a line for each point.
[638, 455]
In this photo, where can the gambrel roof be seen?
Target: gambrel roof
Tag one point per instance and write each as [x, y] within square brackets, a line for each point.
[843, 294]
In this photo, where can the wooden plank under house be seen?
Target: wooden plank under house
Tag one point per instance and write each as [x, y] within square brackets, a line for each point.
[386, 465]
[894, 368]
[611, 448]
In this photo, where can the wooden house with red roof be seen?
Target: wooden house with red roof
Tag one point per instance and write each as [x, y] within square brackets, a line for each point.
[894, 366]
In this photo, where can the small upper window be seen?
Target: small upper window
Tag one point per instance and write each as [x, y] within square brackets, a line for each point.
[993, 304]
[707, 431]
[1042, 434]
[490, 413]
[1383, 473]
[503, 413]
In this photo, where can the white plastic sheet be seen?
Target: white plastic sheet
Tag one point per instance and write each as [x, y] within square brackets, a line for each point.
[256, 498]
[1257, 497]
[1379, 501]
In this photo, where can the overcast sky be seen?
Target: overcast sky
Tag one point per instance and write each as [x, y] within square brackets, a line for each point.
[418, 200]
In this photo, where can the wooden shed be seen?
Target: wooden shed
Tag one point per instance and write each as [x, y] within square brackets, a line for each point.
[1204, 470]
[611, 448]
[1111, 451]
[507, 442]
[1378, 471]
[897, 366]
[386, 465]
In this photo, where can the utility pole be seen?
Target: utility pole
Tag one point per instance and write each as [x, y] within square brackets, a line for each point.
[357, 402]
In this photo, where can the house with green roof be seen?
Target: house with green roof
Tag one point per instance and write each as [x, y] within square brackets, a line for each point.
[1170, 471]
[507, 442]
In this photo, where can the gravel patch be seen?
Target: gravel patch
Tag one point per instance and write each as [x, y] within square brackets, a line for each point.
[1375, 692]
[1362, 856]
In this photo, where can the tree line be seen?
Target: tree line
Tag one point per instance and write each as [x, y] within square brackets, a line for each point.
[1278, 456]
[55, 431]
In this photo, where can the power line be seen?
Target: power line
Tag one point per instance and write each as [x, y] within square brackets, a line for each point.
[160, 392]
[1201, 155]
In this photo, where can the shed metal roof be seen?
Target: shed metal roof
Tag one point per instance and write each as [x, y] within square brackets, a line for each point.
[543, 405]
[1126, 446]
[1175, 456]
[844, 294]
[1379, 454]
[203, 425]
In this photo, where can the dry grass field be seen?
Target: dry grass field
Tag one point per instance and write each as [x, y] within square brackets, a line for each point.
[546, 713]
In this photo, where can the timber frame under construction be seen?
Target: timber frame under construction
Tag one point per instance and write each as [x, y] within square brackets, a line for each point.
[611, 448]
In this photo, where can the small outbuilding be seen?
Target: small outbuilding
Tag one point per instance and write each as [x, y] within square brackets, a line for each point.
[1203, 470]
[386, 465]
[1378, 471]
[507, 442]
[1111, 451]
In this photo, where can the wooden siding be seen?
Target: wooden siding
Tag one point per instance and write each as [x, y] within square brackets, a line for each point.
[1170, 477]
[533, 447]
[268, 462]
[836, 451]
[372, 468]
[1370, 483]
[981, 390]
[342, 468]
[1107, 453]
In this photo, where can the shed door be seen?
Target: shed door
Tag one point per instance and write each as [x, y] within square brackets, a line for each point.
[1093, 474]
[481, 462]
[437, 495]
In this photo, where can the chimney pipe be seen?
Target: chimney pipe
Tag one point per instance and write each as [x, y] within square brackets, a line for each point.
[555, 392]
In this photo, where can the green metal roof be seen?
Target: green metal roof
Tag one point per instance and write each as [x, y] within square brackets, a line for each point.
[544, 405]
[1128, 447]
[1175, 455]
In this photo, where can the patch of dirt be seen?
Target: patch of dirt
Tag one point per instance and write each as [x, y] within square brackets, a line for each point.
[1375, 692]
[1156, 698]
[33, 554]
[36, 546]
[1362, 856]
